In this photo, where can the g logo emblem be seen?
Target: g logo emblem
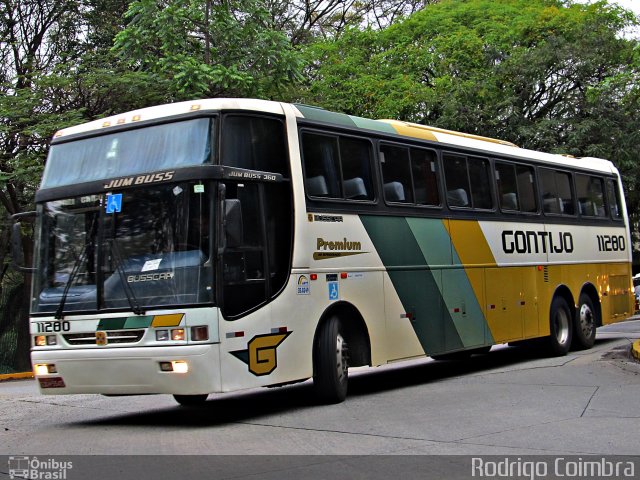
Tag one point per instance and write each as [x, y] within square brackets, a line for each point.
[101, 338]
[261, 355]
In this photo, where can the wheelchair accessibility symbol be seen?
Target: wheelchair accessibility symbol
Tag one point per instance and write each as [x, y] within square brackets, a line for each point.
[114, 203]
[333, 291]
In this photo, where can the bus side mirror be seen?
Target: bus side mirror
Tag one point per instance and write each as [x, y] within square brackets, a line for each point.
[234, 232]
[16, 242]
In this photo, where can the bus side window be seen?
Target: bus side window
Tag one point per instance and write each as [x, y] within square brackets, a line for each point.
[557, 194]
[424, 166]
[590, 193]
[507, 186]
[480, 180]
[321, 164]
[613, 195]
[337, 166]
[355, 157]
[526, 189]
[396, 174]
[455, 172]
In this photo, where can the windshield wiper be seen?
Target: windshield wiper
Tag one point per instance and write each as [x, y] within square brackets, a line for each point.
[128, 291]
[74, 271]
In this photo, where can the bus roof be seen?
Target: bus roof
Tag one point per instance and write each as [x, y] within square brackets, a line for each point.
[486, 145]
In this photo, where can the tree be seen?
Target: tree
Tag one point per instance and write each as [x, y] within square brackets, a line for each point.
[545, 74]
[208, 48]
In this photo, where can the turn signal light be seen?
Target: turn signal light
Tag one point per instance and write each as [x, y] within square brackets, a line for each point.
[177, 334]
[199, 334]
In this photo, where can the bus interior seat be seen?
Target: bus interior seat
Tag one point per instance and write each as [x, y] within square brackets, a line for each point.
[458, 197]
[510, 201]
[552, 205]
[589, 208]
[354, 188]
[317, 186]
[394, 192]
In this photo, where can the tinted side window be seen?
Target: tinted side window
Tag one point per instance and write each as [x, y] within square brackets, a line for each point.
[254, 143]
[557, 195]
[526, 189]
[457, 179]
[516, 187]
[337, 167]
[590, 193]
[425, 176]
[613, 195]
[396, 174]
[480, 183]
[507, 186]
[468, 181]
[355, 156]
[322, 165]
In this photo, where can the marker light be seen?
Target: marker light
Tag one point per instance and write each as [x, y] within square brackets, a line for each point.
[51, 340]
[199, 334]
[166, 367]
[177, 334]
[180, 366]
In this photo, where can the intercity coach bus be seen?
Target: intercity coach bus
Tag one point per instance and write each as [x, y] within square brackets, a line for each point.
[225, 244]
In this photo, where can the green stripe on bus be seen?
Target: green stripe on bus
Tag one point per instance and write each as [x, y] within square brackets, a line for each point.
[124, 322]
[457, 292]
[448, 315]
[418, 287]
[373, 125]
[138, 322]
[320, 115]
[112, 323]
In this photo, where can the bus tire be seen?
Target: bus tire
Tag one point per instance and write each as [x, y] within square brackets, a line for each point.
[331, 362]
[585, 323]
[560, 327]
[191, 400]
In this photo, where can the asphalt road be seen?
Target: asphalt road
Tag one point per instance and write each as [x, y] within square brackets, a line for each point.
[509, 402]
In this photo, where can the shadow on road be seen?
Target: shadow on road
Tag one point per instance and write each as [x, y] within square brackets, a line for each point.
[253, 404]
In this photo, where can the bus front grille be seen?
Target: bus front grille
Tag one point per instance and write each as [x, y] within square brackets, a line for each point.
[114, 336]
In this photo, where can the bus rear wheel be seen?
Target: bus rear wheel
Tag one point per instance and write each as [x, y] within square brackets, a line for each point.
[560, 326]
[190, 400]
[331, 363]
[585, 323]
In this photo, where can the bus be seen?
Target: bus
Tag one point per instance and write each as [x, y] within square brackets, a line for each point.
[224, 244]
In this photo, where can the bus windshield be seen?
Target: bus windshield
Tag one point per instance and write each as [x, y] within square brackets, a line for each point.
[129, 152]
[141, 248]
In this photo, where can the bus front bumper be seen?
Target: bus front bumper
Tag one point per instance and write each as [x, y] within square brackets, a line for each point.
[130, 371]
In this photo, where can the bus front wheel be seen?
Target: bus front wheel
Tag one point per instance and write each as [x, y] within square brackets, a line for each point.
[560, 326]
[331, 363]
[585, 324]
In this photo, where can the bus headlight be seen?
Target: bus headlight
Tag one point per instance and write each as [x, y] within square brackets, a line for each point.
[177, 366]
[44, 340]
[162, 335]
[44, 368]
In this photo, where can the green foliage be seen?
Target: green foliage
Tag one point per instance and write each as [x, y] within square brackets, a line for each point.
[201, 48]
[545, 74]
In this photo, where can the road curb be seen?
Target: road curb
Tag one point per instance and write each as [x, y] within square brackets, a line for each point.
[635, 349]
[15, 376]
